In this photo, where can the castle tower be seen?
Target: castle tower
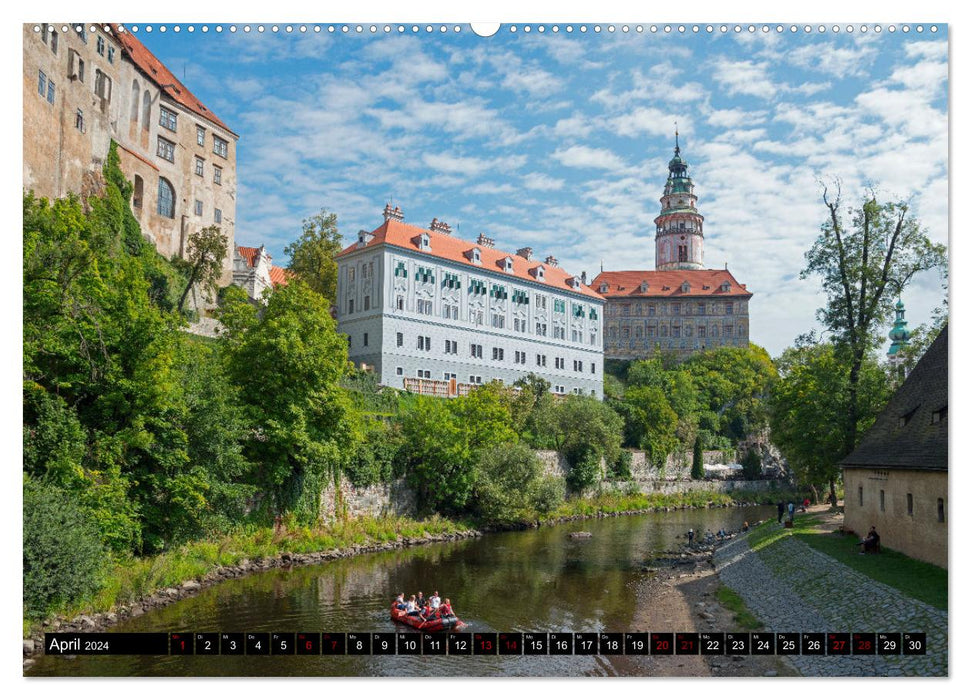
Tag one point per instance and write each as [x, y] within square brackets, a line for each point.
[679, 241]
[901, 338]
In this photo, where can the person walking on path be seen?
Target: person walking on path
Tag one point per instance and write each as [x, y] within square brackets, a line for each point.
[792, 511]
[782, 510]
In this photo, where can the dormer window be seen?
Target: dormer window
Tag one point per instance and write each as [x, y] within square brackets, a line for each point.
[604, 287]
[685, 287]
[363, 238]
[507, 264]
[726, 287]
[541, 273]
[475, 256]
[424, 242]
[574, 282]
[644, 286]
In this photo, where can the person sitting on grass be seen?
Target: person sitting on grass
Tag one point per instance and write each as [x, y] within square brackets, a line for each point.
[871, 543]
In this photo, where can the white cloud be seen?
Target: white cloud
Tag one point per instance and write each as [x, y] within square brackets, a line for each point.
[649, 120]
[538, 181]
[470, 166]
[587, 157]
[838, 61]
[745, 78]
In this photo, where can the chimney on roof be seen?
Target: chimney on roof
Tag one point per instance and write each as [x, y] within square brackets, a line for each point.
[551, 261]
[526, 252]
[484, 240]
[583, 277]
[395, 213]
[440, 226]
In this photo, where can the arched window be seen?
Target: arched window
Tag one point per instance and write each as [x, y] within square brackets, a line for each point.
[139, 192]
[146, 110]
[166, 198]
[135, 92]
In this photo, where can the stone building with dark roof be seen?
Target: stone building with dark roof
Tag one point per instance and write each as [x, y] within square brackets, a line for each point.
[680, 307]
[896, 479]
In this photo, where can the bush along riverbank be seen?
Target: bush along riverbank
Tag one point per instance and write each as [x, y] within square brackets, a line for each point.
[136, 585]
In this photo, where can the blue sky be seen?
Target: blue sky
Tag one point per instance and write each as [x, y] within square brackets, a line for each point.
[560, 140]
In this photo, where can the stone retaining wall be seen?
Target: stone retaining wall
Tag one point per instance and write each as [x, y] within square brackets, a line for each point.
[347, 500]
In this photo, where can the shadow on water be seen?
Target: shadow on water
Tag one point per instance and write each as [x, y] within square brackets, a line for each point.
[534, 580]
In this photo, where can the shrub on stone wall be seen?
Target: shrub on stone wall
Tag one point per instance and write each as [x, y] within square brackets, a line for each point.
[752, 465]
[698, 461]
[507, 480]
[620, 467]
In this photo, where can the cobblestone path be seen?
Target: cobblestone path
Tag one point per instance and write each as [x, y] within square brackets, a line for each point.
[791, 587]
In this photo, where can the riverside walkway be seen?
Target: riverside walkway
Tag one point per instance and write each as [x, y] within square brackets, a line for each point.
[792, 587]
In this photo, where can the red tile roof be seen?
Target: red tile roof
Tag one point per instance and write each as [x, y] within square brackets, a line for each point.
[454, 249]
[156, 71]
[667, 283]
[248, 253]
[279, 276]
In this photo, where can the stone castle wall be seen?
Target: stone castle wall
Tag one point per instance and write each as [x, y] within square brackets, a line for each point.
[347, 500]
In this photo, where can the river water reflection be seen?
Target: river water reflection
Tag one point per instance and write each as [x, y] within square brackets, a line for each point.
[532, 581]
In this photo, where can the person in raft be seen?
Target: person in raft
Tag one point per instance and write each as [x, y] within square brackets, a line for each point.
[435, 601]
[421, 599]
[399, 602]
[411, 607]
[445, 609]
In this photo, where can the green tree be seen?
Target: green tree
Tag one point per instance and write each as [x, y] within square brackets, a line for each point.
[508, 482]
[206, 252]
[733, 386]
[752, 465]
[808, 409]
[697, 460]
[313, 255]
[288, 366]
[653, 421]
[437, 457]
[586, 430]
[535, 406]
[864, 257]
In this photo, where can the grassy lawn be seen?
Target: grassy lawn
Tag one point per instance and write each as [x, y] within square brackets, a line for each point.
[917, 579]
[731, 600]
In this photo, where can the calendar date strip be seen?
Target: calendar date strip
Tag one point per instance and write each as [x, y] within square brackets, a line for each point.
[484, 643]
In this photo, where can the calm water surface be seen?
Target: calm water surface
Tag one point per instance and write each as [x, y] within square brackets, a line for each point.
[531, 581]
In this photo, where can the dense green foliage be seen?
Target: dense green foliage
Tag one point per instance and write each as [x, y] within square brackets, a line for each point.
[697, 460]
[809, 408]
[63, 556]
[313, 255]
[510, 485]
[752, 465]
[713, 398]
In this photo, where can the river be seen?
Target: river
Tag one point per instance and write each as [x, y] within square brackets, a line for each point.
[530, 581]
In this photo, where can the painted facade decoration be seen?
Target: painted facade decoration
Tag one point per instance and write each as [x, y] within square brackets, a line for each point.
[436, 314]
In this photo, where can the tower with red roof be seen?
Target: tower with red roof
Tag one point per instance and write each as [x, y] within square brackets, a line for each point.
[680, 307]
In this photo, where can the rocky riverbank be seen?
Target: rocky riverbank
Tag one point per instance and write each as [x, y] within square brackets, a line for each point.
[679, 594]
[100, 622]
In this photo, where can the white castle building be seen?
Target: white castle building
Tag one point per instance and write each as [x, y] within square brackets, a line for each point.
[432, 313]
